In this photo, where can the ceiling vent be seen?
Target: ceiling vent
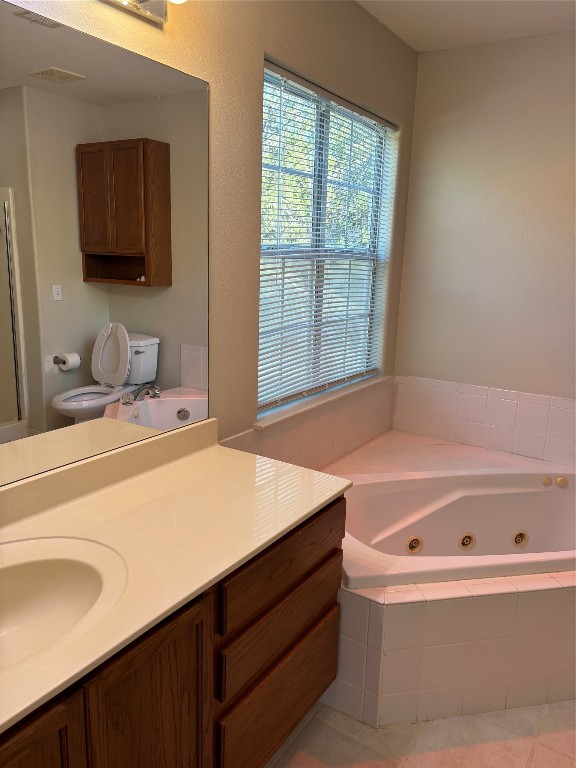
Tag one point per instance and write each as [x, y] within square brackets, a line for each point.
[56, 75]
[37, 19]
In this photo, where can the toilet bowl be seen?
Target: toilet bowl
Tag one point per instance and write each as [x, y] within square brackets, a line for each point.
[120, 362]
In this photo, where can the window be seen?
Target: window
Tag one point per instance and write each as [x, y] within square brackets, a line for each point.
[328, 178]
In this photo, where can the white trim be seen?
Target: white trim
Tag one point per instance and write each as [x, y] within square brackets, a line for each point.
[284, 412]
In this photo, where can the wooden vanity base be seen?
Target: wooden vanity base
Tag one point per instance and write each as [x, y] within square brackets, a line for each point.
[219, 684]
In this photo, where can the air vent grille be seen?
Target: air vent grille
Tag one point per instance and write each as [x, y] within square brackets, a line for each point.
[36, 18]
[55, 75]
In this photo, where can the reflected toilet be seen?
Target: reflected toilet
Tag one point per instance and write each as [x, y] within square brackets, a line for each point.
[121, 361]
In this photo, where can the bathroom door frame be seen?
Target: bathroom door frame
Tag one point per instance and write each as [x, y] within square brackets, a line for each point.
[16, 429]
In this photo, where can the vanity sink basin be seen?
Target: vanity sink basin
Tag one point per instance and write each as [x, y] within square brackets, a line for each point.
[53, 591]
[164, 413]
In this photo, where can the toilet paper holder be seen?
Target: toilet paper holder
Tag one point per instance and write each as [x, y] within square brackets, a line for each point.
[67, 361]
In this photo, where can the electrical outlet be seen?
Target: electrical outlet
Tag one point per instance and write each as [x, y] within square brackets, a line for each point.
[57, 292]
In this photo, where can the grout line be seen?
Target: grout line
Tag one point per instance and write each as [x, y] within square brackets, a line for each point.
[532, 753]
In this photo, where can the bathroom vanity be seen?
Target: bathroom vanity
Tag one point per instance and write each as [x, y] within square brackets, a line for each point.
[233, 584]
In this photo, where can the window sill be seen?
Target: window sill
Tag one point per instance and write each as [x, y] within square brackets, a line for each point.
[291, 410]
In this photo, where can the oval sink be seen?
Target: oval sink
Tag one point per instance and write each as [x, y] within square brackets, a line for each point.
[52, 591]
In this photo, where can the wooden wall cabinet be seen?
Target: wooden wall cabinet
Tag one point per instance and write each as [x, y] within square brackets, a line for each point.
[220, 683]
[124, 211]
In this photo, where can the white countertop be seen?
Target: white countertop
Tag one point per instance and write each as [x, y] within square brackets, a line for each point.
[39, 453]
[178, 529]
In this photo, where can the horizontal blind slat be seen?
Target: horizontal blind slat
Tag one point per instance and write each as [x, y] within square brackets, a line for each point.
[328, 178]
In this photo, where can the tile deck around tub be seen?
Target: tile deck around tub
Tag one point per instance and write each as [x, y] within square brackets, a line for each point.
[404, 452]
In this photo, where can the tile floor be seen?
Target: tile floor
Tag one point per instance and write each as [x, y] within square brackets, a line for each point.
[530, 737]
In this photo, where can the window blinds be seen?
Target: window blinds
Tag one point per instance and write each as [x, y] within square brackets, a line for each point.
[328, 179]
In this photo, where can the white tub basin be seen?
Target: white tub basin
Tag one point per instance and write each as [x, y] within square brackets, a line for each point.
[164, 413]
[53, 591]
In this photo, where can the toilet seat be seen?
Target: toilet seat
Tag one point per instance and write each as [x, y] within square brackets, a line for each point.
[88, 401]
[111, 355]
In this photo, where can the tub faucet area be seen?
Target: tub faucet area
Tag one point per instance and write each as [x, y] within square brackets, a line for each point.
[138, 394]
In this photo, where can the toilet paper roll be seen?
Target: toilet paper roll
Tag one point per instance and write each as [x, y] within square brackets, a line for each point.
[69, 361]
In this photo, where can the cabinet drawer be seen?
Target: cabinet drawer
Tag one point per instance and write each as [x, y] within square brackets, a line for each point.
[253, 729]
[266, 579]
[242, 660]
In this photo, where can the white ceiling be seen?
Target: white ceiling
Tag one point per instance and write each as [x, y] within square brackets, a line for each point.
[112, 75]
[434, 25]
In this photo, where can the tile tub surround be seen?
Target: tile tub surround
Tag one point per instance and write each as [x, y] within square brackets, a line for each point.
[538, 426]
[531, 737]
[329, 427]
[419, 652]
[425, 651]
[194, 367]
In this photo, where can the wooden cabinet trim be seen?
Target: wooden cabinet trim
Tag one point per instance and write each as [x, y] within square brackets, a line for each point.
[241, 661]
[54, 736]
[163, 683]
[93, 201]
[254, 587]
[127, 196]
[251, 731]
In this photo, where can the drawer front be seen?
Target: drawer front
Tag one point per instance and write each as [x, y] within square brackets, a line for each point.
[267, 578]
[242, 660]
[253, 729]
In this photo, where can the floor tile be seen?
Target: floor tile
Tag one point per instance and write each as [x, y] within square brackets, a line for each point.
[393, 741]
[557, 728]
[532, 737]
[469, 742]
[320, 746]
[546, 758]
[523, 720]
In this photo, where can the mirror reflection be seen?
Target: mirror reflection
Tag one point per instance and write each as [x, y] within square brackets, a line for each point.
[103, 245]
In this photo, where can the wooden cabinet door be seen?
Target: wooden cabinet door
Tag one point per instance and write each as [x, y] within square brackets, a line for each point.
[92, 167]
[127, 196]
[52, 739]
[149, 707]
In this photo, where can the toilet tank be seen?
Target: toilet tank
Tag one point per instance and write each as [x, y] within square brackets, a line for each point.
[143, 358]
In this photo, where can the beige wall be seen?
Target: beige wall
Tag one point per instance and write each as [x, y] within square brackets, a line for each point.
[336, 44]
[55, 125]
[488, 281]
[178, 314]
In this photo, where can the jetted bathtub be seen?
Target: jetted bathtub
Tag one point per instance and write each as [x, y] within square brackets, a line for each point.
[437, 526]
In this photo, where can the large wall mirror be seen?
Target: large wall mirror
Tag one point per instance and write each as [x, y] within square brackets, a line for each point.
[46, 308]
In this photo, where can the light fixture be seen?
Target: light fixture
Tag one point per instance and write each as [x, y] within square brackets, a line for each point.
[151, 10]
